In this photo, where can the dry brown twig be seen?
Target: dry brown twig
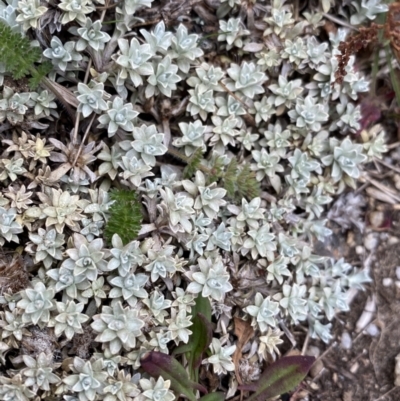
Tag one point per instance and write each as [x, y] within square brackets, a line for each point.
[369, 35]
[380, 192]
[392, 27]
[13, 274]
[353, 45]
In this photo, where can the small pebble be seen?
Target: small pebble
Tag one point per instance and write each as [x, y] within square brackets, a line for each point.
[397, 284]
[398, 272]
[367, 314]
[395, 155]
[396, 180]
[372, 330]
[313, 351]
[384, 237]
[370, 241]
[146, 245]
[397, 371]
[387, 282]
[392, 240]
[354, 367]
[346, 340]
[350, 239]
[91, 308]
[376, 218]
[359, 250]
[316, 368]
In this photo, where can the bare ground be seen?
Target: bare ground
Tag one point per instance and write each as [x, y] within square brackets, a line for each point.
[365, 371]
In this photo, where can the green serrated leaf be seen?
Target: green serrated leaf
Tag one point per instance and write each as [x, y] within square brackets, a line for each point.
[193, 163]
[38, 74]
[230, 177]
[16, 52]
[125, 216]
[247, 185]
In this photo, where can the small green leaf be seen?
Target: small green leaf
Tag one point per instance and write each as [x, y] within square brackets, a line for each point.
[193, 163]
[280, 377]
[201, 338]
[125, 216]
[202, 306]
[213, 397]
[38, 74]
[182, 349]
[159, 364]
[17, 53]
[229, 178]
[240, 182]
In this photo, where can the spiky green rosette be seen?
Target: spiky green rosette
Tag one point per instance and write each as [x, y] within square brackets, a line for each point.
[19, 56]
[125, 216]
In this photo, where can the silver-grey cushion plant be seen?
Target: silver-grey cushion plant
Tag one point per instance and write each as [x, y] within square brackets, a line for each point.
[233, 142]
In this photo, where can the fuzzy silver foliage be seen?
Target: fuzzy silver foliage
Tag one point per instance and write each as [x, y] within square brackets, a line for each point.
[256, 105]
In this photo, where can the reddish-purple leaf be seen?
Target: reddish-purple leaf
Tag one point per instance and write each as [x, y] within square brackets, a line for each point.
[280, 377]
[159, 364]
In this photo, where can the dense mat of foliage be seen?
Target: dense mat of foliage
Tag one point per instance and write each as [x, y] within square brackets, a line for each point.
[166, 150]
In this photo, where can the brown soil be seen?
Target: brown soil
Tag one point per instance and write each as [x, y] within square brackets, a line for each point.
[366, 371]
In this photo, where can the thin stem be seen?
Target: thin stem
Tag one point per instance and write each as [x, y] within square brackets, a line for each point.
[167, 131]
[83, 140]
[47, 83]
[393, 77]
[109, 7]
[181, 156]
[151, 22]
[178, 154]
[339, 21]
[232, 94]
[250, 119]
[78, 114]
[375, 66]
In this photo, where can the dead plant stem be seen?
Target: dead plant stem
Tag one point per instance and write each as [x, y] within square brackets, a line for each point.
[83, 140]
[89, 66]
